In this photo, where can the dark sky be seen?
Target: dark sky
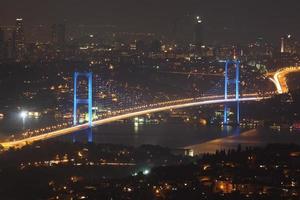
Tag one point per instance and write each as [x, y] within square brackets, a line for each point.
[243, 19]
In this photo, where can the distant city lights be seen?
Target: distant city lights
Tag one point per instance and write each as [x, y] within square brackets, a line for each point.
[146, 171]
[199, 20]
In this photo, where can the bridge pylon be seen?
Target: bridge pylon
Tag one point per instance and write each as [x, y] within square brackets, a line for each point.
[236, 82]
[88, 101]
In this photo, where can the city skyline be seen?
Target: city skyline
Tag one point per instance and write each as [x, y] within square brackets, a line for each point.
[232, 20]
[149, 99]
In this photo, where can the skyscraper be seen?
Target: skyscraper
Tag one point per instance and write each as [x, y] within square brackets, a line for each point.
[59, 35]
[1, 44]
[19, 39]
[198, 32]
[288, 44]
[282, 45]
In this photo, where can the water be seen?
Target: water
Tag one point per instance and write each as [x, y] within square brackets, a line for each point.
[254, 137]
[181, 135]
[14, 125]
[172, 135]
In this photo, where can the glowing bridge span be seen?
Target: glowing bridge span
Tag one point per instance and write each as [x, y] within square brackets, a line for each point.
[132, 112]
[279, 78]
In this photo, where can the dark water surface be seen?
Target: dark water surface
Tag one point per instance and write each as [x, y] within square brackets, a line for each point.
[254, 137]
[172, 135]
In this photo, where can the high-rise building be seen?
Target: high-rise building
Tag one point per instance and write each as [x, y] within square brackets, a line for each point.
[288, 44]
[59, 35]
[19, 39]
[1, 44]
[1, 36]
[155, 46]
[282, 45]
[10, 50]
[38, 34]
[198, 32]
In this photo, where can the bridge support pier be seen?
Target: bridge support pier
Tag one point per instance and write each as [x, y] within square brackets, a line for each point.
[236, 82]
[87, 101]
[74, 137]
[90, 135]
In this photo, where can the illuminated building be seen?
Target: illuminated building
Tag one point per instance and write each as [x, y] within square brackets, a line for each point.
[38, 34]
[1, 44]
[282, 45]
[288, 45]
[223, 52]
[19, 39]
[156, 46]
[198, 34]
[223, 186]
[10, 50]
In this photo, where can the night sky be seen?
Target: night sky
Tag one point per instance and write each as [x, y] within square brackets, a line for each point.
[241, 20]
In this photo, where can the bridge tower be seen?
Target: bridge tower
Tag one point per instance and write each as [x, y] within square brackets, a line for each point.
[235, 81]
[87, 101]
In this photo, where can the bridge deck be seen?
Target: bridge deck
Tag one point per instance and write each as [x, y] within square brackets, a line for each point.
[141, 110]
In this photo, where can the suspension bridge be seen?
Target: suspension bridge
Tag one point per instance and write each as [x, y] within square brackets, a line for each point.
[228, 99]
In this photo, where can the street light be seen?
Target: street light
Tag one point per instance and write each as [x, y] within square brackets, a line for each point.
[23, 114]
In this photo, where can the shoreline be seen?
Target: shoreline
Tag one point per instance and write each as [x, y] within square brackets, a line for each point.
[248, 138]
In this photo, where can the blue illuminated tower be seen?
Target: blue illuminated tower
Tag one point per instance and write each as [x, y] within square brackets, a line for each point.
[236, 82]
[87, 101]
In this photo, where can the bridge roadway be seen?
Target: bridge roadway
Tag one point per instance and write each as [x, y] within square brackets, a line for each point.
[192, 73]
[279, 78]
[132, 112]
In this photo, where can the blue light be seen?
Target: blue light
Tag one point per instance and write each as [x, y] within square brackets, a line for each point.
[236, 81]
[75, 100]
[88, 101]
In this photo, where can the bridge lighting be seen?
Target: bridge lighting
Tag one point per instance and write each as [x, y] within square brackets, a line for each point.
[279, 78]
[217, 99]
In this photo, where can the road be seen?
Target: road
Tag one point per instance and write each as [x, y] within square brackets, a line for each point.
[141, 110]
[279, 78]
[193, 73]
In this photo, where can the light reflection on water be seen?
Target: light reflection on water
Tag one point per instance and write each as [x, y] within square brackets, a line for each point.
[180, 135]
[173, 135]
[254, 137]
[13, 124]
